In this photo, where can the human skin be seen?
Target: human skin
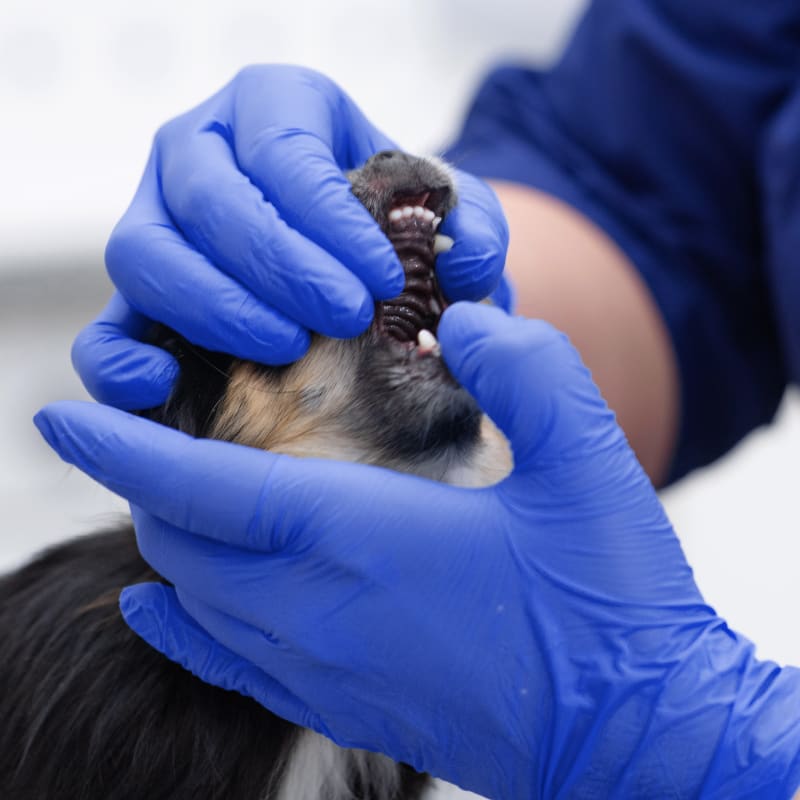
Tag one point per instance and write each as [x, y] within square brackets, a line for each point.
[568, 271]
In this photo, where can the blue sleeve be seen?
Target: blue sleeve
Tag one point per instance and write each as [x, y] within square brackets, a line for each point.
[650, 125]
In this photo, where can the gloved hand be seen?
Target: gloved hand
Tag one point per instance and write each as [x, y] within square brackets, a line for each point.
[540, 638]
[244, 235]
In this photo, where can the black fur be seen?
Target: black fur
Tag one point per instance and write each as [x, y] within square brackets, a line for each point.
[412, 413]
[90, 712]
[203, 377]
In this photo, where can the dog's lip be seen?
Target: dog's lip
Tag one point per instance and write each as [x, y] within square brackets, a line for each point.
[417, 308]
[433, 199]
[412, 230]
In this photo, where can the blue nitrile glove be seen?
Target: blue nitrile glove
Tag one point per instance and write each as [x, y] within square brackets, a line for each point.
[244, 235]
[540, 638]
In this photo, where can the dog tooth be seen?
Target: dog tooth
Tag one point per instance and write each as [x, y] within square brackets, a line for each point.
[427, 342]
[442, 243]
[408, 211]
[436, 222]
[426, 338]
[428, 215]
[396, 214]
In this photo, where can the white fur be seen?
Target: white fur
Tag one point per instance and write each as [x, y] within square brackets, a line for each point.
[318, 770]
[440, 790]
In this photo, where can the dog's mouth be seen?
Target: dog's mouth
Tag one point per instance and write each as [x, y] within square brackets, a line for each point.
[405, 396]
[411, 221]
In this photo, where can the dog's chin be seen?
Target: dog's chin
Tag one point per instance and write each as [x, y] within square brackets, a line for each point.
[410, 405]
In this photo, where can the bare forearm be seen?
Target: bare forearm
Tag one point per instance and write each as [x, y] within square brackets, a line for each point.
[567, 271]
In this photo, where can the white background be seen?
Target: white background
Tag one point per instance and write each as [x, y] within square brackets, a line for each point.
[83, 86]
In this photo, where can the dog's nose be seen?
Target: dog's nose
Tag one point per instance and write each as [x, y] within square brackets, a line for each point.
[385, 155]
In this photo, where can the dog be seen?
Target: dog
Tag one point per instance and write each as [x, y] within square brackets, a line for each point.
[89, 711]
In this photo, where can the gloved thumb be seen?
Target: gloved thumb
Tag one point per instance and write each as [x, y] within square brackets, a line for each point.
[531, 382]
[154, 613]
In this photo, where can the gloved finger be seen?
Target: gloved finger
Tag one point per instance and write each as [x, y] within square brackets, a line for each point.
[225, 217]
[233, 580]
[182, 289]
[504, 295]
[249, 639]
[530, 380]
[283, 665]
[200, 485]
[478, 227]
[154, 613]
[238, 495]
[292, 137]
[115, 366]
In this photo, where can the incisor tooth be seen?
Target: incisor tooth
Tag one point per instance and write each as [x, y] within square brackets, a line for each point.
[395, 214]
[442, 243]
[436, 222]
[419, 211]
[408, 211]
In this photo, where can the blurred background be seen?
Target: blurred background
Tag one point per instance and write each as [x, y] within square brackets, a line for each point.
[83, 87]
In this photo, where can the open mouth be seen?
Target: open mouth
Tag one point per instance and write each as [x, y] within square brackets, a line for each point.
[415, 407]
[411, 223]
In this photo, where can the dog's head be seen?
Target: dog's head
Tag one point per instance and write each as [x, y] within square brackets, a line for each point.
[384, 397]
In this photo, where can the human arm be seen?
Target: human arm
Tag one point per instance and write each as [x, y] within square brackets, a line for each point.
[566, 270]
[540, 637]
[649, 128]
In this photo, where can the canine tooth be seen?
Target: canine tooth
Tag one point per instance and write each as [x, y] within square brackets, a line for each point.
[427, 343]
[442, 243]
[426, 338]
[408, 211]
[396, 214]
[419, 211]
[434, 306]
[428, 215]
[436, 222]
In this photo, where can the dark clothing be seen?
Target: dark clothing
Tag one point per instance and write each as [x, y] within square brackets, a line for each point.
[671, 125]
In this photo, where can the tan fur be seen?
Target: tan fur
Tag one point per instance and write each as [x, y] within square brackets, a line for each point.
[300, 411]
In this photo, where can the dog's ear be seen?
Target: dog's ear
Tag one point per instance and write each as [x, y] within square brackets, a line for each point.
[198, 391]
